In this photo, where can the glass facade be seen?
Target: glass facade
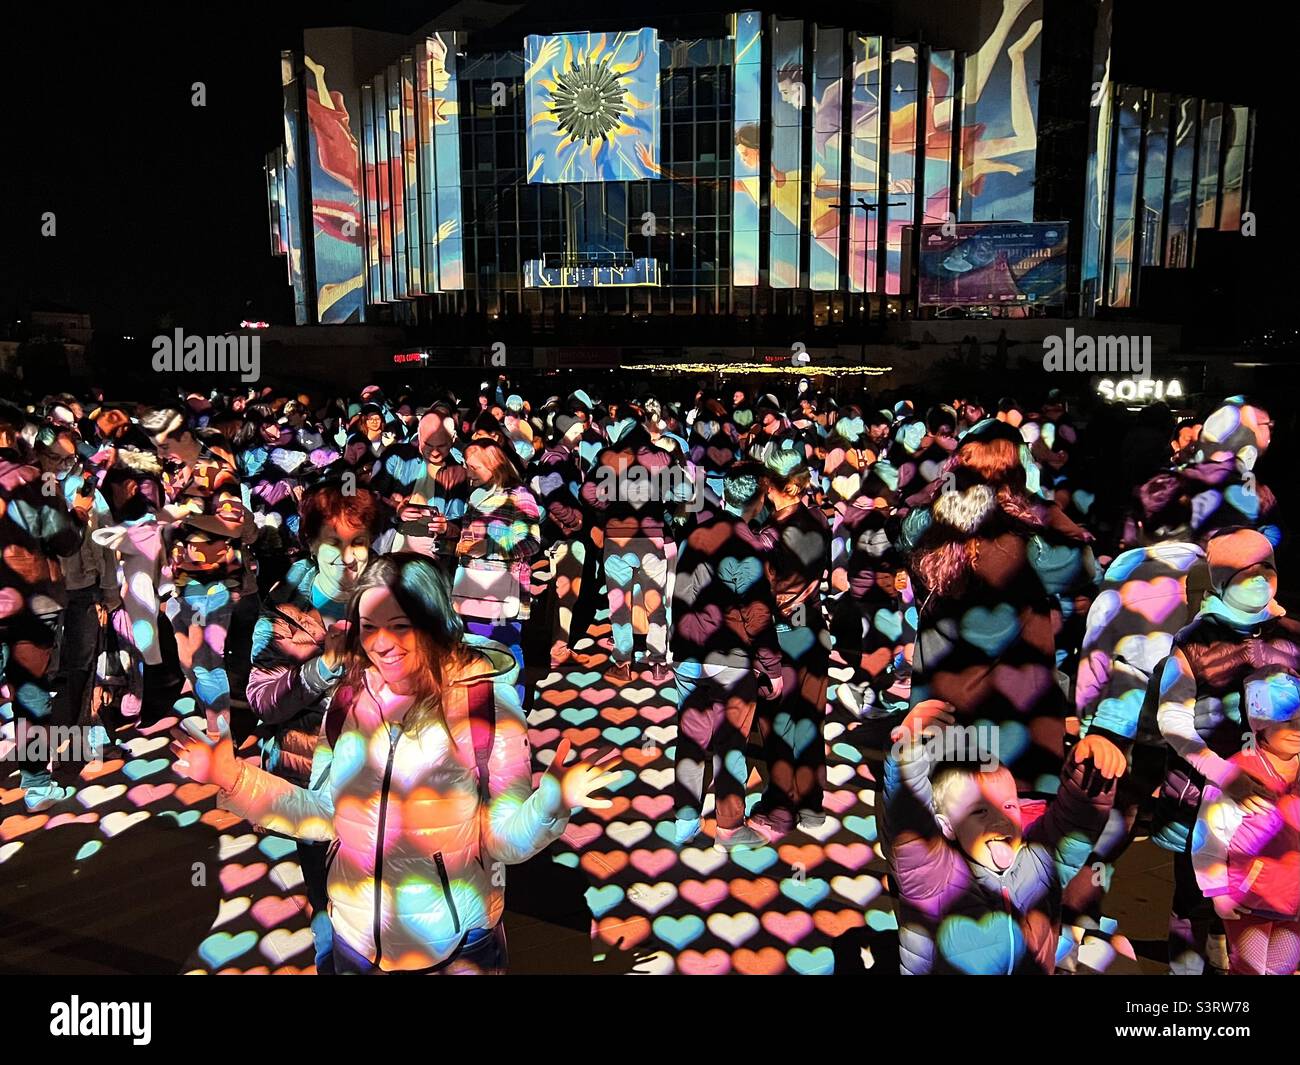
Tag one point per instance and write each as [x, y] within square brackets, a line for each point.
[781, 168]
[1165, 167]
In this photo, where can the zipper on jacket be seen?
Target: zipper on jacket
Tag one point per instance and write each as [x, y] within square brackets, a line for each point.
[446, 889]
[1011, 933]
[379, 843]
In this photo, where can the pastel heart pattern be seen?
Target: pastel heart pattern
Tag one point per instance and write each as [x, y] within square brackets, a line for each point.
[119, 821]
[271, 911]
[733, 929]
[221, 948]
[277, 847]
[144, 767]
[98, 794]
[652, 897]
[679, 932]
[59, 820]
[653, 863]
[230, 910]
[817, 962]
[991, 630]
[631, 930]
[754, 859]
[600, 900]
[629, 833]
[234, 876]
[230, 846]
[147, 794]
[715, 962]
[993, 944]
[857, 889]
[704, 894]
[578, 836]
[790, 928]
[807, 893]
[702, 860]
[287, 876]
[20, 825]
[280, 945]
[765, 962]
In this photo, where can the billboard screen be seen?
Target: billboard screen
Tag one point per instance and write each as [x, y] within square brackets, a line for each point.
[370, 189]
[1128, 149]
[999, 117]
[1178, 231]
[1207, 166]
[397, 182]
[994, 263]
[444, 110]
[748, 136]
[593, 106]
[332, 113]
[786, 187]
[828, 136]
[293, 187]
[1234, 167]
[864, 162]
[901, 206]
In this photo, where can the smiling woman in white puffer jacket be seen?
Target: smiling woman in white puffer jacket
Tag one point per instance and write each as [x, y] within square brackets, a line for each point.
[422, 779]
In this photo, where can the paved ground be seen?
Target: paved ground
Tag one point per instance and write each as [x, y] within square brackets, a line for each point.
[141, 873]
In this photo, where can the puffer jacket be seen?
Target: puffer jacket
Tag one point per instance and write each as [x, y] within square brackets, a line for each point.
[418, 854]
[1254, 858]
[1147, 595]
[288, 685]
[958, 916]
[1200, 711]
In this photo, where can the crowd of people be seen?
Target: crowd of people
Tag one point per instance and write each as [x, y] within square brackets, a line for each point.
[1041, 667]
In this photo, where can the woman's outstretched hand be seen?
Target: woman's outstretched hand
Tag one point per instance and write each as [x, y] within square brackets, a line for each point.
[580, 781]
[203, 759]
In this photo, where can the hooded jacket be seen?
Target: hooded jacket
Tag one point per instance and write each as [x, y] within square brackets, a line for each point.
[288, 684]
[723, 607]
[987, 643]
[1254, 858]
[1201, 685]
[1147, 595]
[957, 916]
[631, 504]
[418, 851]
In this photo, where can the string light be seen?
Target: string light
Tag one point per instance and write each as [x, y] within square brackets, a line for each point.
[758, 367]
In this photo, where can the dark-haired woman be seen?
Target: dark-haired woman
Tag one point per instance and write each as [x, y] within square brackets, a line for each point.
[500, 535]
[298, 656]
[981, 556]
[422, 778]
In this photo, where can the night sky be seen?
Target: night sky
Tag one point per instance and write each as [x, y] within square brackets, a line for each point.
[160, 205]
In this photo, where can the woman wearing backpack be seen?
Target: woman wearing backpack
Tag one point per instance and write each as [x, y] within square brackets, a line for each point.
[500, 535]
[422, 780]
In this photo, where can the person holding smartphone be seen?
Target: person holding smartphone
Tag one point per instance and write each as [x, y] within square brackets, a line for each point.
[428, 521]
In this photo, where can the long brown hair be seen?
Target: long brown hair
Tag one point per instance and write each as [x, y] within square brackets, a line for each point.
[995, 466]
[505, 474]
[421, 590]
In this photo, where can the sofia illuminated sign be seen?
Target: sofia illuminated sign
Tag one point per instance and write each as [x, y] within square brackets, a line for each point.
[1141, 390]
